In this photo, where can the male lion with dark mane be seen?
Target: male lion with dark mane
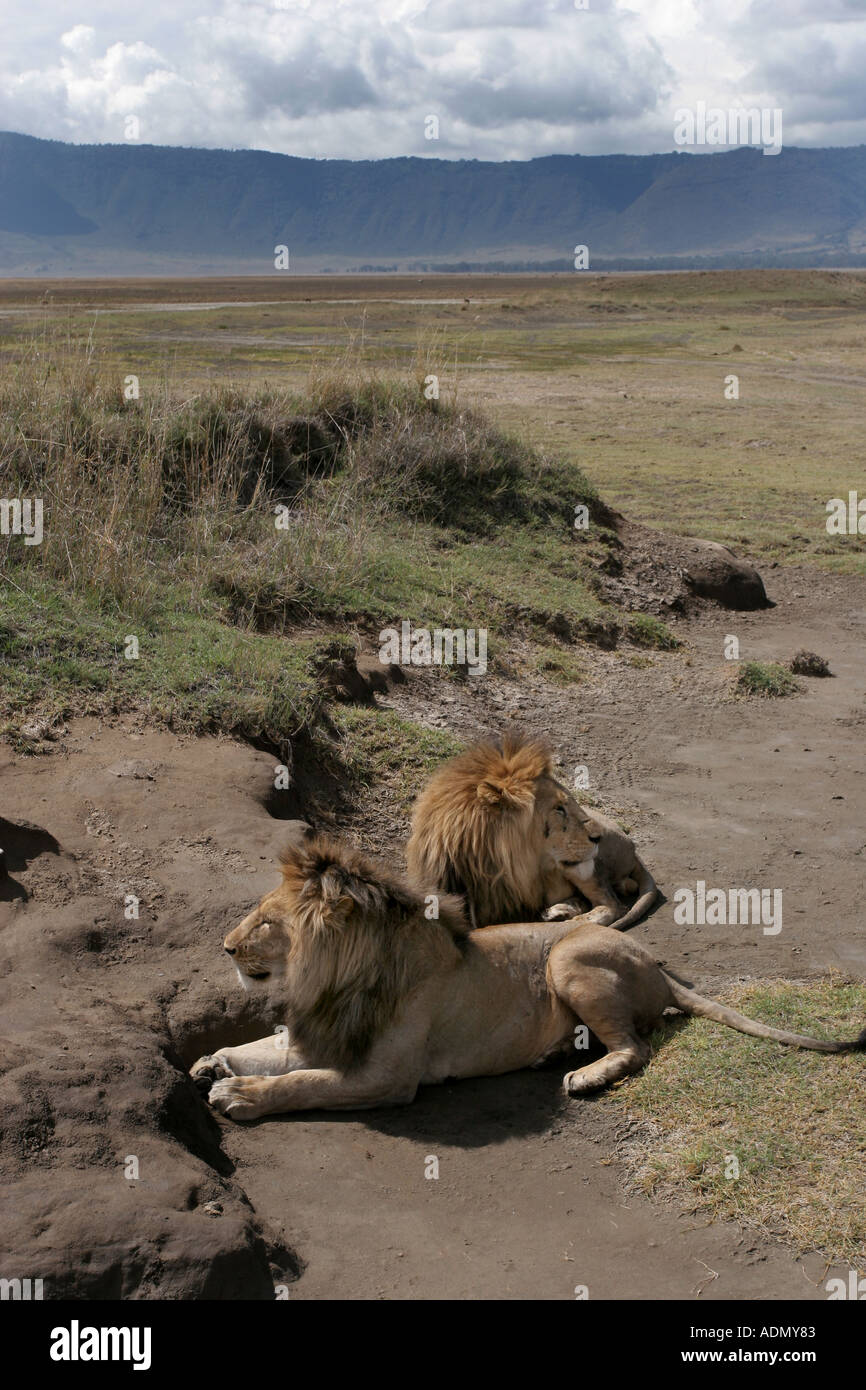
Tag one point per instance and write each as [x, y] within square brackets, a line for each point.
[381, 998]
[495, 825]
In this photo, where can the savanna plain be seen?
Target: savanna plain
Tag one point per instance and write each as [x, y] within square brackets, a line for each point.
[244, 482]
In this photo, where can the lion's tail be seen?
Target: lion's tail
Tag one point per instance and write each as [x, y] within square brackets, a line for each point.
[697, 1005]
[647, 894]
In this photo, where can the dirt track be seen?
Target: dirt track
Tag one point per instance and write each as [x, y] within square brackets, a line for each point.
[530, 1200]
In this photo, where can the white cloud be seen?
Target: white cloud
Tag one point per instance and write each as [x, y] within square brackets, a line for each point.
[508, 80]
[78, 40]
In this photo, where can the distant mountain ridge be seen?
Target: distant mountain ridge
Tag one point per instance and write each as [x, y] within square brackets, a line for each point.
[141, 209]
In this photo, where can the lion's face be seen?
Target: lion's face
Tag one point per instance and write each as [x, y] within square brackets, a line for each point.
[259, 947]
[570, 836]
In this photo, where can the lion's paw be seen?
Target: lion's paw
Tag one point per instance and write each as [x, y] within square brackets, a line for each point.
[206, 1071]
[239, 1097]
[560, 912]
[581, 1082]
[603, 915]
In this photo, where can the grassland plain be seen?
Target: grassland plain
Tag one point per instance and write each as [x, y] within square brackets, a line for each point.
[553, 391]
[623, 374]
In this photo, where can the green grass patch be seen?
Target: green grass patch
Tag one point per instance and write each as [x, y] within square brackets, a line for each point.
[635, 371]
[64, 655]
[381, 746]
[765, 678]
[562, 665]
[792, 1120]
[645, 630]
[218, 526]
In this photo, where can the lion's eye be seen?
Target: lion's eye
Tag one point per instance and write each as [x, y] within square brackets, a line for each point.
[562, 812]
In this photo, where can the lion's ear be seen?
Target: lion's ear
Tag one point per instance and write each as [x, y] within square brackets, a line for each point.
[514, 792]
[337, 902]
[337, 911]
[489, 791]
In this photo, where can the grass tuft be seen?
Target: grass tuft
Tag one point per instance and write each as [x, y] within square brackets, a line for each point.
[645, 630]
[380, 745]
[805, 663]
[765, 678]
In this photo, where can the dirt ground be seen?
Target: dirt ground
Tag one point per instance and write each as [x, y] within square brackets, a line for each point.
[531, 1200]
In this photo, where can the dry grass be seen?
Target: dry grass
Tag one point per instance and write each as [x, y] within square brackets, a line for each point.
[624, 374]
[217, 525]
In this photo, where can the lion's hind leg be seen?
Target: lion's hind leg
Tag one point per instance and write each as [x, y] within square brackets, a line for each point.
[627, 1053]
[616, 993]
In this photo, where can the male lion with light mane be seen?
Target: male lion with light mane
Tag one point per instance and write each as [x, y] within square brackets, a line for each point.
[380, 999]
[495, 825]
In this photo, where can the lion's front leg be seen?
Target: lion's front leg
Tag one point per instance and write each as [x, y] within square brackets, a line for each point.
[605, 906]
[572, 909]
[250, 1097]
[270, 1056]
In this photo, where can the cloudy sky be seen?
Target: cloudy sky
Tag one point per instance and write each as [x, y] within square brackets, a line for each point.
[507, 79]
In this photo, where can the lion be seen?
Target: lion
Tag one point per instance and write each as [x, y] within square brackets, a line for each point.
[495, 825]
[383, 993]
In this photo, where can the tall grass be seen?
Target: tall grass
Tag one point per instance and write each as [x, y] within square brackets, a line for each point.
[268, 512]
[132, 486]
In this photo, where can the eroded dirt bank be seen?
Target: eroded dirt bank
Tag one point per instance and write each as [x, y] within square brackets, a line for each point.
[101, 1009]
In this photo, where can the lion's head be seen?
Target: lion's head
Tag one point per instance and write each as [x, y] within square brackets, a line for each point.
[495, 825]
[342, 942]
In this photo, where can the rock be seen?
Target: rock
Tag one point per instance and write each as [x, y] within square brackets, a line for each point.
[559, 625]
[713, 571]
[378, 673]
[112, 1164]
[77, 1222]
[22, 841]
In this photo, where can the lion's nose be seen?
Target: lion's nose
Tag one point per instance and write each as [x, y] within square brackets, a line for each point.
[229, 950]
